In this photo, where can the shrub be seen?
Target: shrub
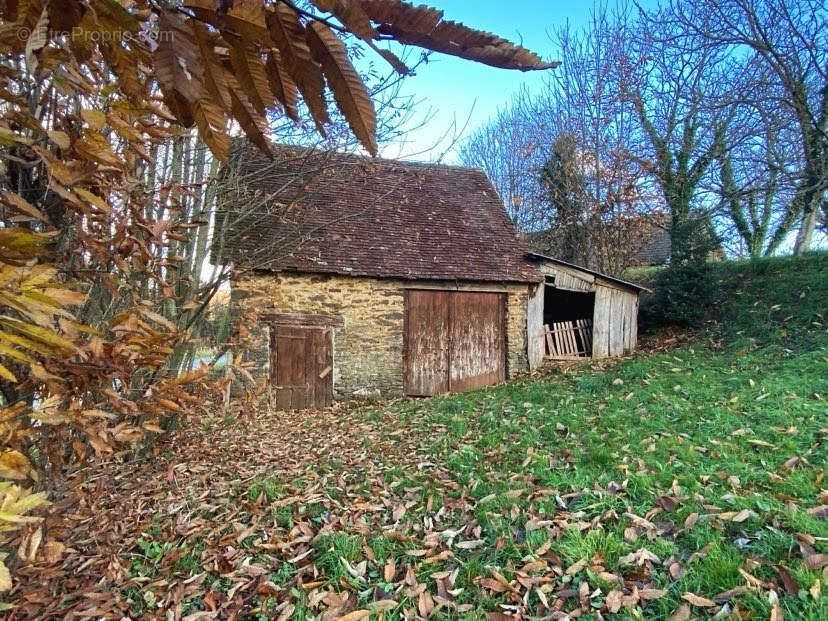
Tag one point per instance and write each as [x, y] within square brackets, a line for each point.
[683, 294]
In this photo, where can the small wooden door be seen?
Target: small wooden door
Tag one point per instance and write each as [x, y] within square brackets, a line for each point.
[454, 341]
[301, 366]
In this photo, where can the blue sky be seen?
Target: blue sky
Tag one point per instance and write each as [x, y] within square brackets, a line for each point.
[453, 88]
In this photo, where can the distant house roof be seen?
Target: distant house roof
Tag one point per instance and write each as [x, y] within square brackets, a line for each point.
[348, 214]
[624, 283]
[656, 248]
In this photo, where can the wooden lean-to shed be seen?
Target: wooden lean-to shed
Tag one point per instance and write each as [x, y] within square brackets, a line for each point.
[580, 313]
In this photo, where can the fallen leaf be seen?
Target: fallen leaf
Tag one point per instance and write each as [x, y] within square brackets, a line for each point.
[776, 613]
[682, 613]
[5, 577]
[697, 600]
[690, 520]
[788, 581]
[639, 557]
[614, 600]
[726, 596]
[356, 615]
[648, 594]
[742, 515]
[574, 569]
[821, 511]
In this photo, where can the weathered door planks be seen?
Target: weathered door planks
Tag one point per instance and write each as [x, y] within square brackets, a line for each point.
[454, 341]
[601, 323]
[426, 358]
[301, 361]
[477, 353]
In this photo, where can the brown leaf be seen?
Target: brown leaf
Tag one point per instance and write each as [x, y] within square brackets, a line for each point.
[614, 600]
[816, 561]
[697, 600]
[282, 85]
[682, 613]
[639, 557]
[576, 567]
[425, 604]
[17, 203]
[788, 581]
[252, 124]
[178, 66]
[676, 570]
[289, 35]
[351, 14]
[754, 580]
[425, 27]
[650, 594]
[250, 72]
[821, 511]
[390, 570]
[743, 515]
[726, 596]
[356, 615]
[776, 613]
[349, 91]
[52, 551]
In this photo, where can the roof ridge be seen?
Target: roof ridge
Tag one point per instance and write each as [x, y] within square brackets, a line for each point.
[278, 146]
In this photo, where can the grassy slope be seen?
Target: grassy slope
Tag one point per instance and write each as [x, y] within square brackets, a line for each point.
[734, 421]
[720, 418]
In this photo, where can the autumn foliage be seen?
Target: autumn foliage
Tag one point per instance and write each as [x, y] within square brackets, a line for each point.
[92, 285]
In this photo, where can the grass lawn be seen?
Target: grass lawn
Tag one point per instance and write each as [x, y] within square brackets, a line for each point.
[683, 483]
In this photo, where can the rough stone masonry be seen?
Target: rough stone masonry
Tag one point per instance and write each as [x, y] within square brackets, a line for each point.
[368, 347]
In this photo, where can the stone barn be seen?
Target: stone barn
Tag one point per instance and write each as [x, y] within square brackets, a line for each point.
[373, 277]
[380, 277]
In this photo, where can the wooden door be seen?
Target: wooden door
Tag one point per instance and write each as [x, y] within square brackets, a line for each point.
[426, 358]
[477, 352]
[301, 366]
[454, 341]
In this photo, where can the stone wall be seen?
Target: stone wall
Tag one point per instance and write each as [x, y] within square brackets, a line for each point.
[368, 347]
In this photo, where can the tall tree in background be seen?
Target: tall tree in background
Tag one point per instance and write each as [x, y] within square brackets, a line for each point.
[580, 107]
[675, 85]
[789, 40]
[511, 149]
[568, 196]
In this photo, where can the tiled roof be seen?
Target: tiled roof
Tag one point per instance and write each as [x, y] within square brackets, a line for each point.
[347, 214]
[656, 248]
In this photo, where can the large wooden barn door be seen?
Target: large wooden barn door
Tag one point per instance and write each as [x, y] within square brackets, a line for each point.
[301, 366]
[454, 341]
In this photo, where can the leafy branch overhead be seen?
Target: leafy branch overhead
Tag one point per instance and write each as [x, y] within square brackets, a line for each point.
[217, 61]
[267, 54]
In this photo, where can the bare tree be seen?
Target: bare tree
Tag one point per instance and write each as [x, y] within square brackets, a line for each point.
[675, 85]
[789, 39]
[578, 130]
[511, 149]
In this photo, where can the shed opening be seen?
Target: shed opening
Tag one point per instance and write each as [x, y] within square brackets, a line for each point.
[567, 322]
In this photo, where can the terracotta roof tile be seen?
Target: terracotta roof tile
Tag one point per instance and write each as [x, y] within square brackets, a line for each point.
[347, 214]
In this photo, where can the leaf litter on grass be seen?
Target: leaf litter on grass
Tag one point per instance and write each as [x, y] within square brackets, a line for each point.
[558, 497]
